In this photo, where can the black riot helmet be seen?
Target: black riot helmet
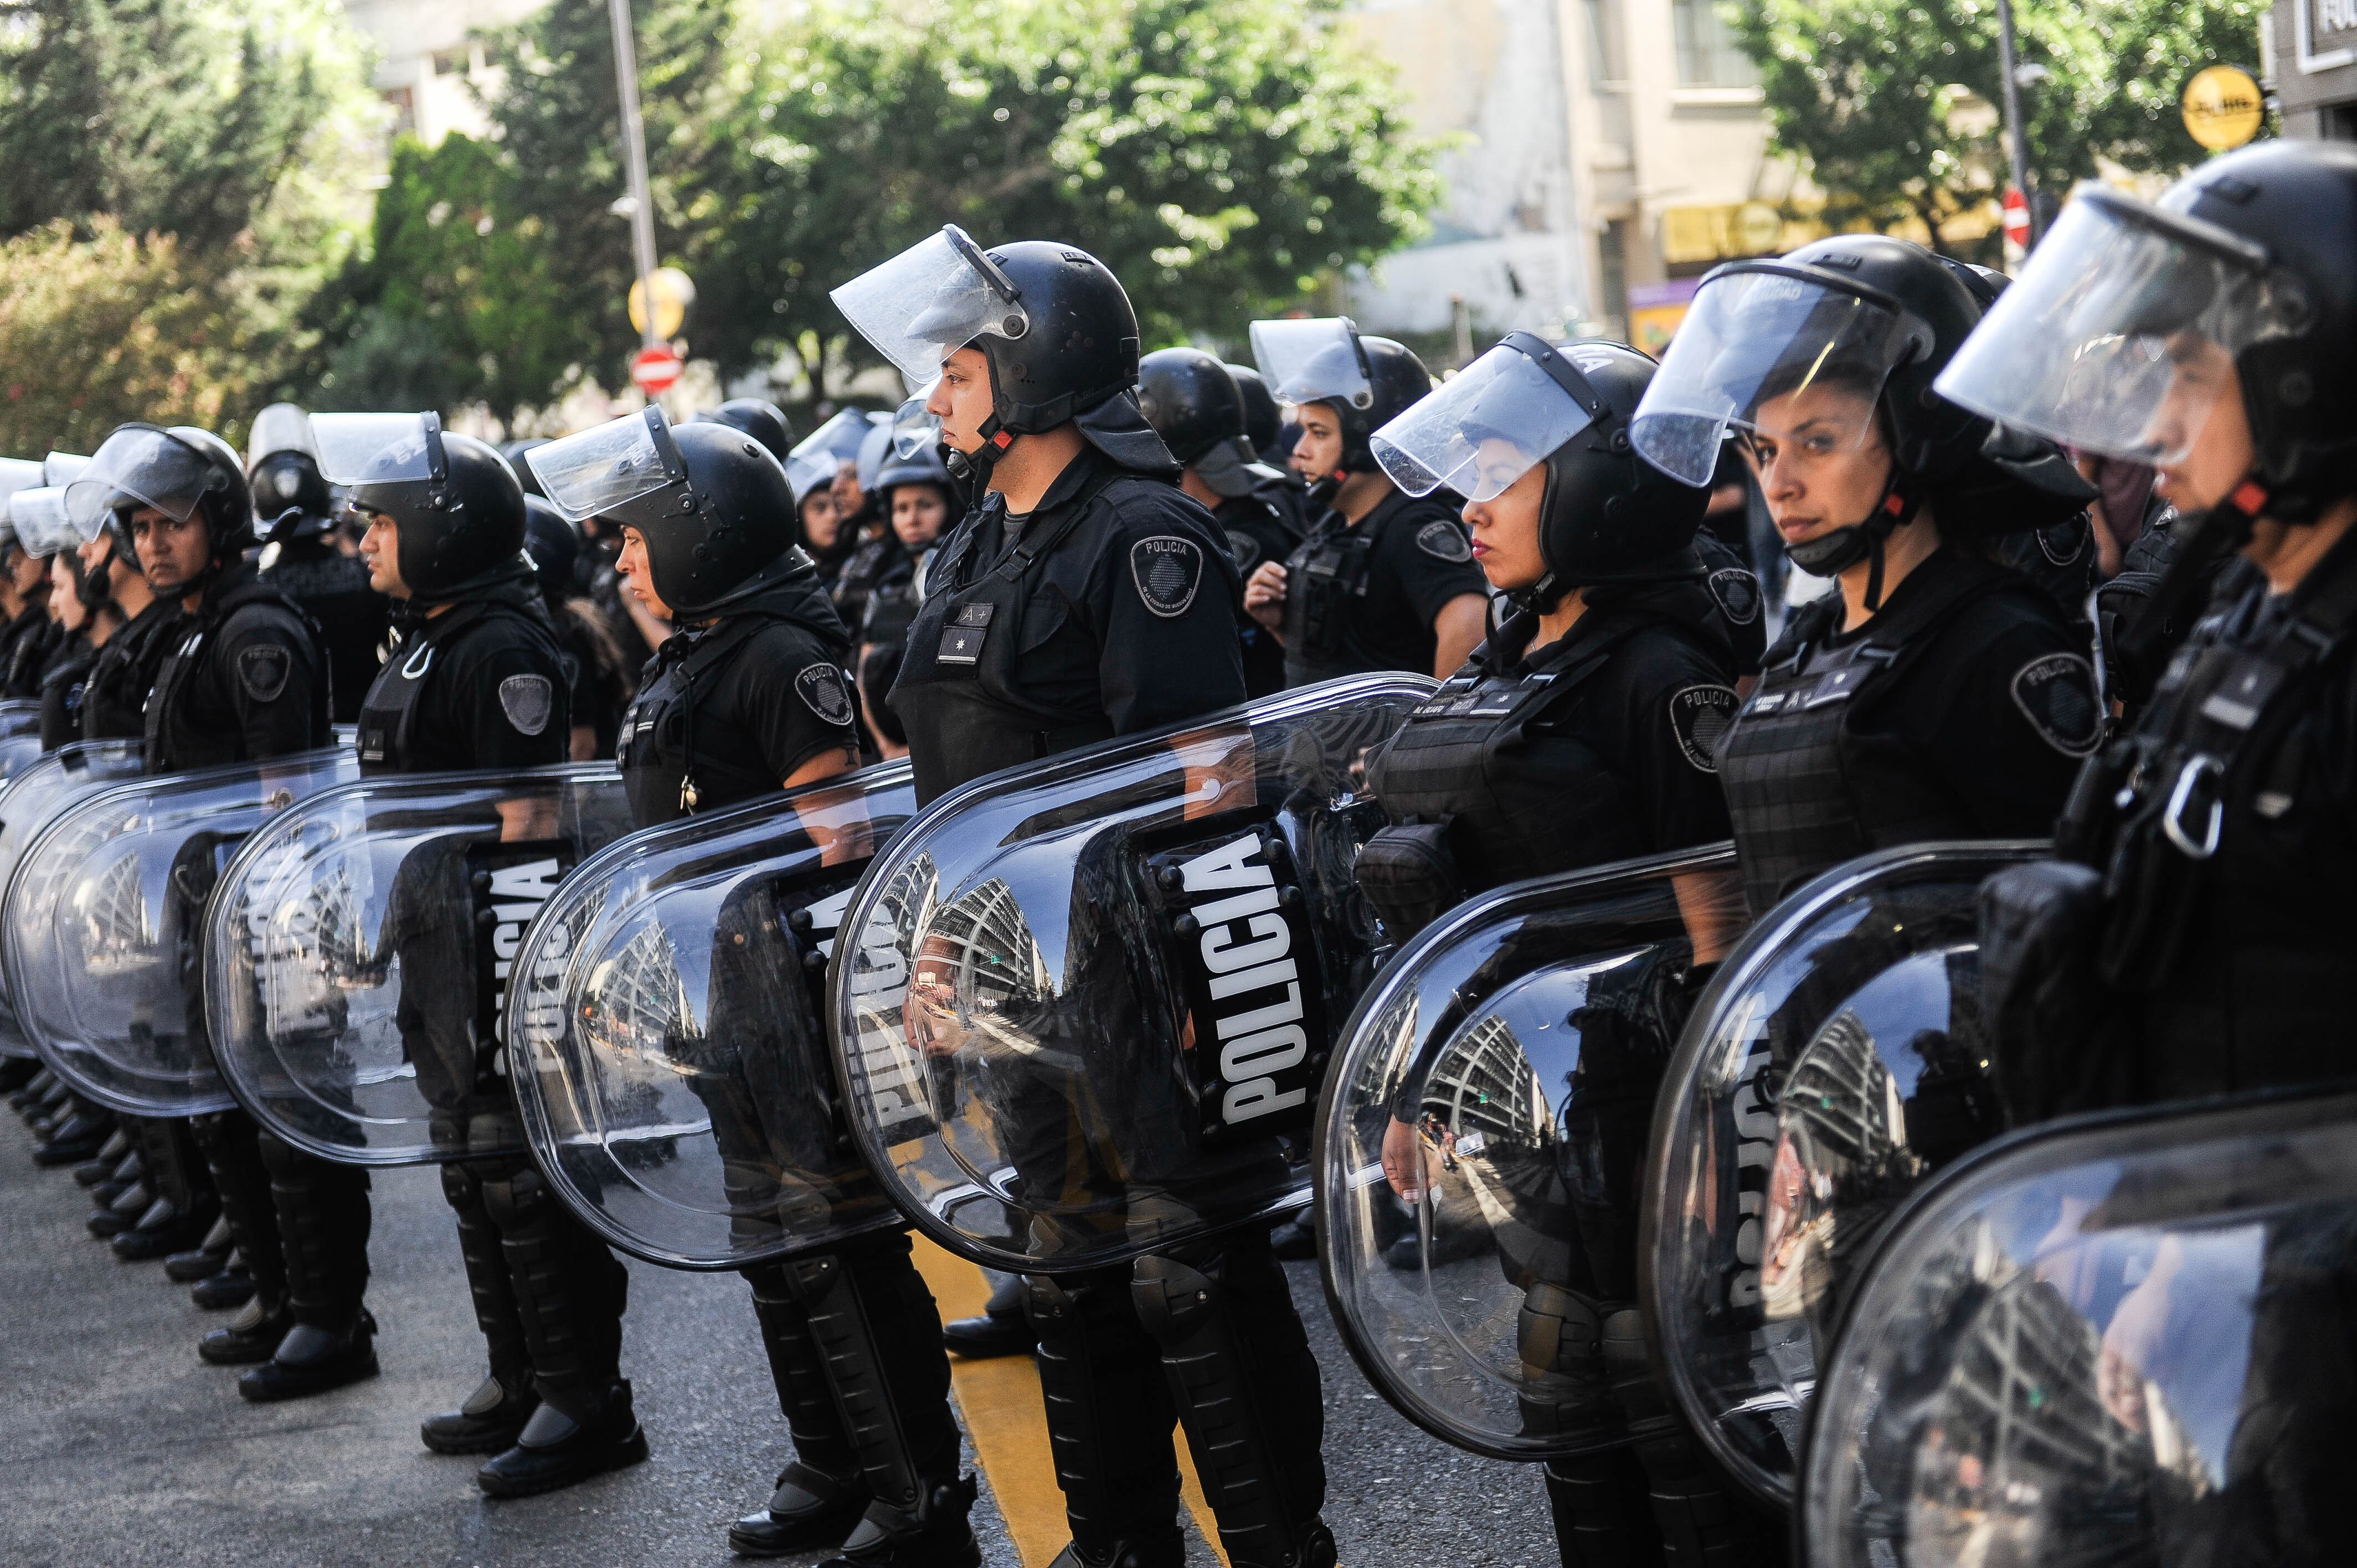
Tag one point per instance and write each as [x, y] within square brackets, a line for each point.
[2245, 260]
[515, 451]
[716, 509]
[552, 542]
[1195, 405]
[290, 496]
[762, 420]
[1051, 321]
[182, 472]
[1368, 381]
[456, 506]
[1263, 426]
[1605, 514]
[1869, 317]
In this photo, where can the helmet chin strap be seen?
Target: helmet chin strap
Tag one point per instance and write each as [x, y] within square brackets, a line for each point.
[1829, 554]
[974, 468]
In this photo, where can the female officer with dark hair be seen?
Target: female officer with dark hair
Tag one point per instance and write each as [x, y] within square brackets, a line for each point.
[1582, 732]
[1936, 695]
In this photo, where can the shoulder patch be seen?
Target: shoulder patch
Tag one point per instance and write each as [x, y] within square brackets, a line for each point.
[1245, 548]
[262, 671]
[1167, 571]
[2057, 695]
[1737, 592]
[822, 689]
[1443, 540]
[1699, 716]
[528, 701]
[2064, 542]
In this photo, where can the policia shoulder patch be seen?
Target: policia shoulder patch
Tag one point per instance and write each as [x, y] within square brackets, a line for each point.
[1698, 718]
[262, 671]
[527, 700]
[1737, 592]
[2057, 695]
[1444, 541]
[821, 690]
[1167, 571]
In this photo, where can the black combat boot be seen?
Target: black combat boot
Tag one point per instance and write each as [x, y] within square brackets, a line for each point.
[934, 1534]
[232, 1287]
[561, 1450]
[494, 1415]
[101, 1165]
[252, 1336]
[311, 1360]
[809, 1509]
[323, 1218]
[203, 1260]
[1001, 1328]
[819, 1497]
[489, 1421]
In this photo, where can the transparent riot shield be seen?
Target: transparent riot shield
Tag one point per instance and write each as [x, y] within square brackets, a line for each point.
[20, 716]
[103, 926]
[2117, 1340]
[1835, 1060]
[671, 1065]
[1480, 1145]
[27, 801]
[359, 955]
[1085, 1005]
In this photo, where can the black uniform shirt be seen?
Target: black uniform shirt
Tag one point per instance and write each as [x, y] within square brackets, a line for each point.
[333, 589]
[256, 687]
[114, 701]
[1263, 526]
[462, 722]
[1420, 560]
[1090, 642]
[1959, 706]
[61, 692]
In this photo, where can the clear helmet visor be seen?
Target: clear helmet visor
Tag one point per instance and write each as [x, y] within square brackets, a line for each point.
[39, 516]
[1314, 361]
[1771, 354]
[2121, 333]
[837, 440]
[17, 475]
[874, 448]
[375, 448]
[810, 472]
[138, 466]
[930, 301]
[914, 430]
[598, 470]
[62, 468]
[281, 427]
[1496, 420]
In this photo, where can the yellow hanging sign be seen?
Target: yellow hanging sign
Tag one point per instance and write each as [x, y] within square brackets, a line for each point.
[673, 294]
[2223, 107]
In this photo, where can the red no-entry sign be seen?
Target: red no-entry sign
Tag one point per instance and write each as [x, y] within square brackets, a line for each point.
[2017, 217]
[656, 369]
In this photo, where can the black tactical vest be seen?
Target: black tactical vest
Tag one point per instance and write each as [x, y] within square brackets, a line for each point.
[674, 766]
[1458, 761]
[2227, 856]
[1324, 580]
[1806, 791]
[963, 728]
[114, 701]
[388, 712]
[172, 744]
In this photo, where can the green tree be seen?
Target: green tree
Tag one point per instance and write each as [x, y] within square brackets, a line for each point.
[1219, 155]
[191, 144]
[1868, 93]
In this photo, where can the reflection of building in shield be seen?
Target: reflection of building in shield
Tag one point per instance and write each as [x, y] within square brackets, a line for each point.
[435, 1014]
[2015, 1456]
[1485, 1085]
[112, 909]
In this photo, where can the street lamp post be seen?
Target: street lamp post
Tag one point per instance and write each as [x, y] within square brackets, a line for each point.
[2017, 134]
[634, 159]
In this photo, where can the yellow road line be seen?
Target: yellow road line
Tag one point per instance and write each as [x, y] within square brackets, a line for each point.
[1004, 1413]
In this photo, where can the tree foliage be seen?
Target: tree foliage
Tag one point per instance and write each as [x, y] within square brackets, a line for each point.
[1868, 91]
[101, 327]
[1217, 154]
[191, 165]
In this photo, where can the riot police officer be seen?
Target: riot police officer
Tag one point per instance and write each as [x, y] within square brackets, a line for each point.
[242, 678]
[601, 686]
[1384, 580]
[477, 680]
[918, 501]
[114, 697]
[1198, 409]
[1582, 732]
[762, 420]
[751, 697]
[31, 634]
[2193, 939]
[1085, 596]
[295, 512]
[1263, 423]
[91, 619]
[1937, 695]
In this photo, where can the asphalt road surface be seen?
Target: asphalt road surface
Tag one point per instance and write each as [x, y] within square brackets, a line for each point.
[120, 1447]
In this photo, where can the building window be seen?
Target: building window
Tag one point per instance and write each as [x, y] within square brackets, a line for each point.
[1708, 55]
[404, 110]
[1605, 65]
[1612, 276]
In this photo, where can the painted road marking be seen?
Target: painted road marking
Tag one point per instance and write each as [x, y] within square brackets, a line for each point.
[1006, 1416]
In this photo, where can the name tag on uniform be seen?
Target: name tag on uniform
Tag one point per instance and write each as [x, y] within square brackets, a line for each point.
[2237, 704]
[961, 639]
[1838, 685]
